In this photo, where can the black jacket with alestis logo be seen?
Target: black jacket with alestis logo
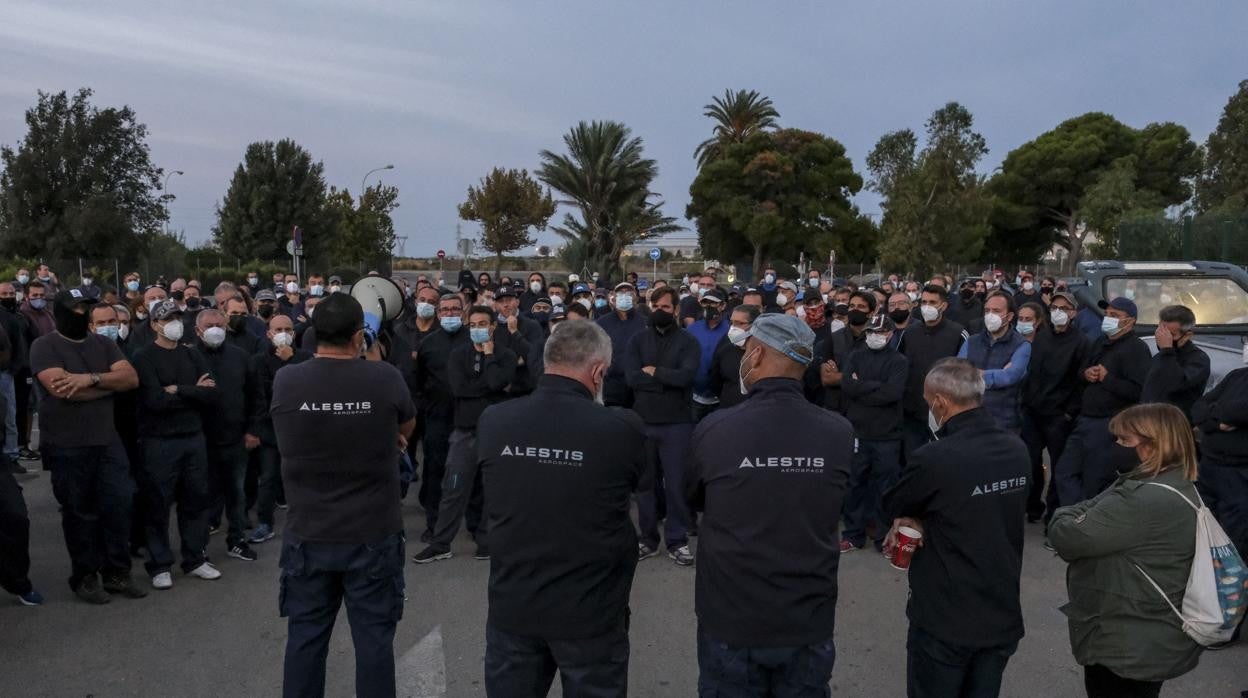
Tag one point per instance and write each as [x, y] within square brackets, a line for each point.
[769, 475]
[969, 491]
[562, 545]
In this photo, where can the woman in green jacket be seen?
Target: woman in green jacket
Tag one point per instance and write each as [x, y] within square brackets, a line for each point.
[1123, 633]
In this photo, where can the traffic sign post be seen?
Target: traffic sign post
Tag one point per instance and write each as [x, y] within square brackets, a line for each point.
[441, 259]
[655, 253]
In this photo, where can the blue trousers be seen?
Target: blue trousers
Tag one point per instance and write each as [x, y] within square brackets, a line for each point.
[725, 671]
[8, 390]
[875, 468]
[936, 669]
[519, 666]
[316, 579]
[1224, 489]
[669, 443]
[93, 486]
[1084, 468]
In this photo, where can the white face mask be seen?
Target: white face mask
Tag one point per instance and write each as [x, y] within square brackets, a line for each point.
[876, 341]
[335, 288]
[292, 287]
[737, 336]
[214, 336]
[172, 330]
[151, 305]
[933, 424]
[556, 299]
[1028, 286]
[585, 303]
[770, 278]
[741, 376]
[123, 331]
[836, 326]
[694, 288]
[1059, 318]
[782, 299]
[316, 290]
[535, 286]
[1109, 325]
[282, 339]
[930, 313]
[992, 322]
[913, 296]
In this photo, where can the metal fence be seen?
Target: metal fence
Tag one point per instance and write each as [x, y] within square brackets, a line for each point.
[1222, 238]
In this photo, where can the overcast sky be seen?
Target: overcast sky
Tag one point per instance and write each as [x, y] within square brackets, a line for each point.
[445, 90]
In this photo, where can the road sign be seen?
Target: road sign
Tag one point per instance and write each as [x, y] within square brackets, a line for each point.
[441, 254]
[292, 250]
[655, 253]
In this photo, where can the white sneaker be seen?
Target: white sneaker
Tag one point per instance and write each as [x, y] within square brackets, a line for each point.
[164, 580]
[206, 571]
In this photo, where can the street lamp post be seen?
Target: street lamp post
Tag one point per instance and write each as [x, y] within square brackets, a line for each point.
[375, 169]
[163, 188]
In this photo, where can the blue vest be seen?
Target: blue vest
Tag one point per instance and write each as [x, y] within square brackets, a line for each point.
[987, 355]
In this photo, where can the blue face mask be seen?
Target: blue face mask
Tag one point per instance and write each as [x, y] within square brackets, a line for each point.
[624, 302]
[600, 303]
[1109, 325]
[107, 331]
[479, 335]
[452, 323]
[132, 286]
[38, 303]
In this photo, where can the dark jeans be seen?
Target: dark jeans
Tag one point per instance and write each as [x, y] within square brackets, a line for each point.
[227, 469]
[269, 486]
[175, 471]
[915, 434]
[670, 444]
[519, 666]
[1103, 683]
[1084, 468]
[14, 537]
[435, 444]
[1224, 488]
[1043, 432]
[23, 390]
[457, 487]
[725, 671]
[935, 669]
[93, 486]
[875, 468]
[316, 579]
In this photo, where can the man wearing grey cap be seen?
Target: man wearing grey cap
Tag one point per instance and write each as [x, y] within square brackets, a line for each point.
[769, 476]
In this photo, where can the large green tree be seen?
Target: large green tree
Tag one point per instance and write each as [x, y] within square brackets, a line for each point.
[81, 181]
[737, 116]
[606, 177]
[1223, 181]
[777, 194]
[508, 204]
[276, 187]
[1041, 192]
[360, 231]
[935, 207]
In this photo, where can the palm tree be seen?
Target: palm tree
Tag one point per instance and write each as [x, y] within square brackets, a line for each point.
[605, 176]
[737, 116]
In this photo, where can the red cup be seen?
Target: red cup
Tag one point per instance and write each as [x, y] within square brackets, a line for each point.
[907, 540]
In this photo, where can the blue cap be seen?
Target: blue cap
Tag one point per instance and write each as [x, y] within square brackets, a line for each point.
[580, 288]
[1126, 305]
[786, 334]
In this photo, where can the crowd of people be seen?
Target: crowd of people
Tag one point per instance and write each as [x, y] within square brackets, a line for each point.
[782, 423]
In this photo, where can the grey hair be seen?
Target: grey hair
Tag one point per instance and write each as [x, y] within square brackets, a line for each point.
[203, 316]
[956, 379]
[577, 344]
[225, 286]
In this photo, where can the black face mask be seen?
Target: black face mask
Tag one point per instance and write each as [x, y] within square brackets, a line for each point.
[899, 316]
[858, 318]
[69, 323]
[981, 294]
[237, 322]
[177, 296]
[1123, 458]
[9, 304]
[840, 309]
[265, 311]
[662, 320]
[711, 314]
[967, 293]
[1046, 290]
[192, 302]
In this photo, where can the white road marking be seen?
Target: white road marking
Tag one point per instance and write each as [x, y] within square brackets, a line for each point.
[421, 671]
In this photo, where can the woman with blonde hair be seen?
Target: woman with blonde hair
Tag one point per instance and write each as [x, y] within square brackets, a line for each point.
[1123, 633]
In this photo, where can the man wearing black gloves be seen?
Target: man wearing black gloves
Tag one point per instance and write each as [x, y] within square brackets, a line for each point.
[479, 375]
[660, 365]
[1180, 370]
[78, 373]
[341, 424]
[769, 475]
[226, 429]
[1051, 395]
[934, 338]
[966, 493]
[564, 548]
[265, 367]
[1113, 378]
[175, 384]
